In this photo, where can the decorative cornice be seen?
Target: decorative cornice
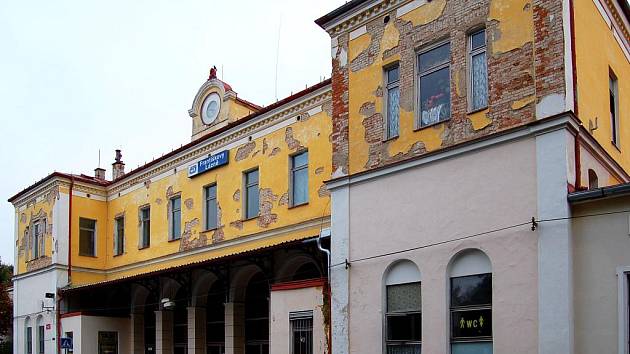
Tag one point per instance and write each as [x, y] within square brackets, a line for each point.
[620, 20]
[358, 17]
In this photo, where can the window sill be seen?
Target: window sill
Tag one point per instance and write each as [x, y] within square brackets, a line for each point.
[250, 218]
[431, 125]
[88, 255]
[615, 145]
[208, 230]
[143, 247]
[119, 254]
[391, 138]
[174, 239]
[473, 111]
[298, 205]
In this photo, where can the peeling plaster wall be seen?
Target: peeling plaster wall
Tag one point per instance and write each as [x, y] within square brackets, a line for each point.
[598, 52]
[525, 68]
[270, 153]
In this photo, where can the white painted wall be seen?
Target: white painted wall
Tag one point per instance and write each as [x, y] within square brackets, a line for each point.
[284, 302]
[600, 245]
[440, 201]
[85, 331]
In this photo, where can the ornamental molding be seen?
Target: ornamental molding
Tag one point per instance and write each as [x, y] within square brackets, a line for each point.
[621, 23]
[359, 17]
[203, 92]
[264, 121]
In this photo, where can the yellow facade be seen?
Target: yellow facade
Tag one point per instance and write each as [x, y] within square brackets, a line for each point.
[598, 53]
[302, 124]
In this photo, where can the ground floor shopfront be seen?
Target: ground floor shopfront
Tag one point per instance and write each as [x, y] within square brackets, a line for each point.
[270, 301]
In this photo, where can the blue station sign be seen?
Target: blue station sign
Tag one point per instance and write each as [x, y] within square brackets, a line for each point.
[212, 161]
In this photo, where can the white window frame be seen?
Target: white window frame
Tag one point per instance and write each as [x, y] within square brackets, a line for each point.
[614, 122]
[141, 243]
[95, 236]
[388, 86]
[205, 199]
[623, 308]
[38, 231]
[171, 234]
[245, 194]
[471, 53]
[418, 75]
[118, 248]
[292, 172]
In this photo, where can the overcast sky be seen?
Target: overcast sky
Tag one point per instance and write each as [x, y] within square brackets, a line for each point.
[79, 76]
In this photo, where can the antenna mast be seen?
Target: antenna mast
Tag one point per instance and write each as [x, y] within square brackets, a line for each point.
[278, 56]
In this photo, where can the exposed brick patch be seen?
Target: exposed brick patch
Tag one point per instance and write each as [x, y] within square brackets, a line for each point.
[284, 199]
[319, 170]
[327, 107]
[158, 201]
[52, 195]
[275, 151]
[23, 218]
[256, 153]
[187, 242]
[238, 224]
[189, 203]
[237, 195]
[38, 263]
[147, 184]
[292, 143]
[549, 50]
[339, 136]
[265, 146]
[244, 151]
[169, 192]
[218, 234]
[266, 217]
[323, 191]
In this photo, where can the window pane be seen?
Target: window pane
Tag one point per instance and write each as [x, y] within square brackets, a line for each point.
[86, 242]
[252, 177]
[300, 186]
[176, 203]
[404, 297]
[211, 214]
[146, 233]
[146, 214]
[404, 327]
[392, 74]
[393, 111]
[471, 324]
[403, 349]
[252, 201]
[435, 57]
[471, 290]
[300, 160]
[472, 348]
[479, 81]
[478, 40]
[435, 97]
[87, 223]
[211, 192]
[177, 215]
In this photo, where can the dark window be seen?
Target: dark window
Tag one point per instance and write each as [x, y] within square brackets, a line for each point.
[119, 235]
[299, 178]
[301, 332]
[593, 182]
[40, 339]
[478, 71]
[176, 218]
[87, 237]
[29, 340]
[251, 194]
[435, 85]
[215, 316]
[149, 323]
[211, 207]
[392, 114]
[404, 318]
[145, 227]
[471, 314]
[107, 342]
[614, 108]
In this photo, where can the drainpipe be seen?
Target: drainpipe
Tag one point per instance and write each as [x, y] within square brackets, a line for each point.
[321, 248]
[70, 232]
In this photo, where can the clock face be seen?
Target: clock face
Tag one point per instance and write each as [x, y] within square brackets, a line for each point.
[210, 109]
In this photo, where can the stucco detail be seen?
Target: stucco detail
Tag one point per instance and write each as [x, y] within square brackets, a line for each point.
[190, 237]
[275, 151]
[323, 191]
[292, 143]
[237, 195]
[244, 151]
[284, 199]
[266, 217]
[189, 203]
[38, 263]
[319, 170]
[238, 224]
[218, 235]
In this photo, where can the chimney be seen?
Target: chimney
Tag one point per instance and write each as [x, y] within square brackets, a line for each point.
[99, 173]
[118, 167]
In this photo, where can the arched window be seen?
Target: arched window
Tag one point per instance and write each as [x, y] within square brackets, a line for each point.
[593, 183]
[40, 335]
[403, 312]
[28, 336]
[471, 303]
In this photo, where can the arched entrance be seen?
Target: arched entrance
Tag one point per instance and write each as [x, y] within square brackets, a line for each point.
[180, 323]
[215, 319]
[257, 315]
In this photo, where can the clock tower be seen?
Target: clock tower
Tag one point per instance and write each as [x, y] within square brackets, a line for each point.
[217, 105]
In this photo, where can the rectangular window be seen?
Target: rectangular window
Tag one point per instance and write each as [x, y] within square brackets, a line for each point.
[176, 217]
[39, 229]
[119, 235]
[434, 80]
[613, 91]
[210, 195]
[404, 318]
[392, 114]
[87, 237]
[29, 340]
[301, 332]
[145, 227]
[478, 71]
[299, 179]
[107, 342]
[40, 339]
[251, 194]
[471, 314]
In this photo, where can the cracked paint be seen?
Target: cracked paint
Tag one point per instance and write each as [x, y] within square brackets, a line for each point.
[425, 14]
[515, 25]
